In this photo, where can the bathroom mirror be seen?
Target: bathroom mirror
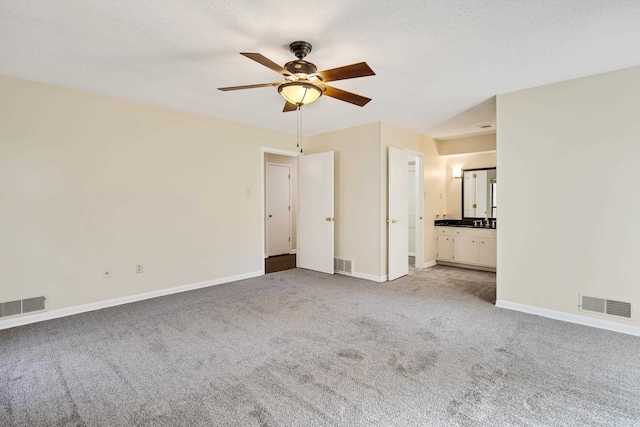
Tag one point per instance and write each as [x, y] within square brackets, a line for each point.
[479, 193]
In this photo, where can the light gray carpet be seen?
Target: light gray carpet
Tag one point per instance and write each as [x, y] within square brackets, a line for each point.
[299, 348]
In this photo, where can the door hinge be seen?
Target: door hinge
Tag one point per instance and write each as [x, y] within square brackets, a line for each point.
[289, 176]
[289, 238]
[289, 207]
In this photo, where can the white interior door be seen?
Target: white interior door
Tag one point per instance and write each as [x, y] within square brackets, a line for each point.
[315, 212]
[416, 195]
[278, 205]
[398, 213]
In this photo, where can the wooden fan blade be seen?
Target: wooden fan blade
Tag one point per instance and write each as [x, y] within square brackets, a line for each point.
[249, 86]
[288, 106]
[343, 95]
[347, 72]
[260, 59]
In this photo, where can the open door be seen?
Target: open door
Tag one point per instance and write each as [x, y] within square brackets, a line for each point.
[278, 207]
[315, 212]
[398, 213]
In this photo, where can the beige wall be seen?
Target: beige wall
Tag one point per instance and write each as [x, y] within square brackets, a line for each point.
[361, 190]
[568, 156]
[470, 144]
[293, 163]
[454, 185]
[89, 182]
[434, 194]
[357, 194]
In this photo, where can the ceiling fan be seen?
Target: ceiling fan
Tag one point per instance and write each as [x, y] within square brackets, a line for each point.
[304, 83]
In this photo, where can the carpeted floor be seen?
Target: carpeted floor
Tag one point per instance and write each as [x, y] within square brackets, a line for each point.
[299, 348]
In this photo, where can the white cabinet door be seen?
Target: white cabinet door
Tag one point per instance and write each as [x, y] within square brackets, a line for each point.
[487, 252]
[465, 249]
[445, 248]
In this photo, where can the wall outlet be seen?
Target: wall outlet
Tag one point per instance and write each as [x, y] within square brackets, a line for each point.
[139, 268]
[106, 273]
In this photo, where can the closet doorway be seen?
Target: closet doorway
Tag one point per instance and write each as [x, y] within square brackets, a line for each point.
[280, 209]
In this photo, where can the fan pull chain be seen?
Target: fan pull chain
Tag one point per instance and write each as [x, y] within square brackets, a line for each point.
[299, 129]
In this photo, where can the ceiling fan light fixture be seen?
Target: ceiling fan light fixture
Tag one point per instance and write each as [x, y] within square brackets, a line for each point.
[299, 93]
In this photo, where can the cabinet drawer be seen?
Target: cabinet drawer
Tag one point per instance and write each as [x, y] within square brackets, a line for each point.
[443, 231]
[479, 232]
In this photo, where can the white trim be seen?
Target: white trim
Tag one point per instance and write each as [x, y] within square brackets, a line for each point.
[280, 152]
[429, 264]
[571, 318]
[371, 277]
[70, 311]
[412, 254]
[293, 251]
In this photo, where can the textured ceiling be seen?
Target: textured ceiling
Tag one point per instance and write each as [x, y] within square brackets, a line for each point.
[433, 59]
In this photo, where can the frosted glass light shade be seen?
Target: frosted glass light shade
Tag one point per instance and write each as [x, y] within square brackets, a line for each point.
[456, 173]
[299, 93]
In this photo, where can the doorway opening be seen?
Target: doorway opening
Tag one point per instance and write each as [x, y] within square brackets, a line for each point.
[415, 215]
[279, 210]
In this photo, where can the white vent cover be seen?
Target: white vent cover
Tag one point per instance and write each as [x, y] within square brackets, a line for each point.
[344, 266]
[21, 306]
[605, 306]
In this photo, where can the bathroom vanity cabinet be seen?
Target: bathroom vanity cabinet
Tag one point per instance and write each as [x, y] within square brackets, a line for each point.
[469, 247]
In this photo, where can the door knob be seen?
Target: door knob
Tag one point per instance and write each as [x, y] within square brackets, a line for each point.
[394, 221]
[328, 219]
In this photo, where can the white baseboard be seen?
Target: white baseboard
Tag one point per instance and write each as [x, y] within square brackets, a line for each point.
[572, 318]
[429, 264]
[371, 277]
[25, 319]
[293, 251]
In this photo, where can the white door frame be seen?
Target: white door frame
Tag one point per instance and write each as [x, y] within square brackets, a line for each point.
[263, 235]
[420, 209]
[267, 207]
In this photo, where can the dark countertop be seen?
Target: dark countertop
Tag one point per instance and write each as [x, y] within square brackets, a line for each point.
[466, 223]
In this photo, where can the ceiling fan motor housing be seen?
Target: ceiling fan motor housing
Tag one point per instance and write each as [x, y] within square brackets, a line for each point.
[300, 66]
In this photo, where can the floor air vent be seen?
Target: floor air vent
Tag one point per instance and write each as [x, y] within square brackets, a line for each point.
[342, 265]
[21, 306]
[606, 306]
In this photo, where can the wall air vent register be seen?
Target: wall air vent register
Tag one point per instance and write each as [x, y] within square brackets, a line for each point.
[606, 306]
[22, 306]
